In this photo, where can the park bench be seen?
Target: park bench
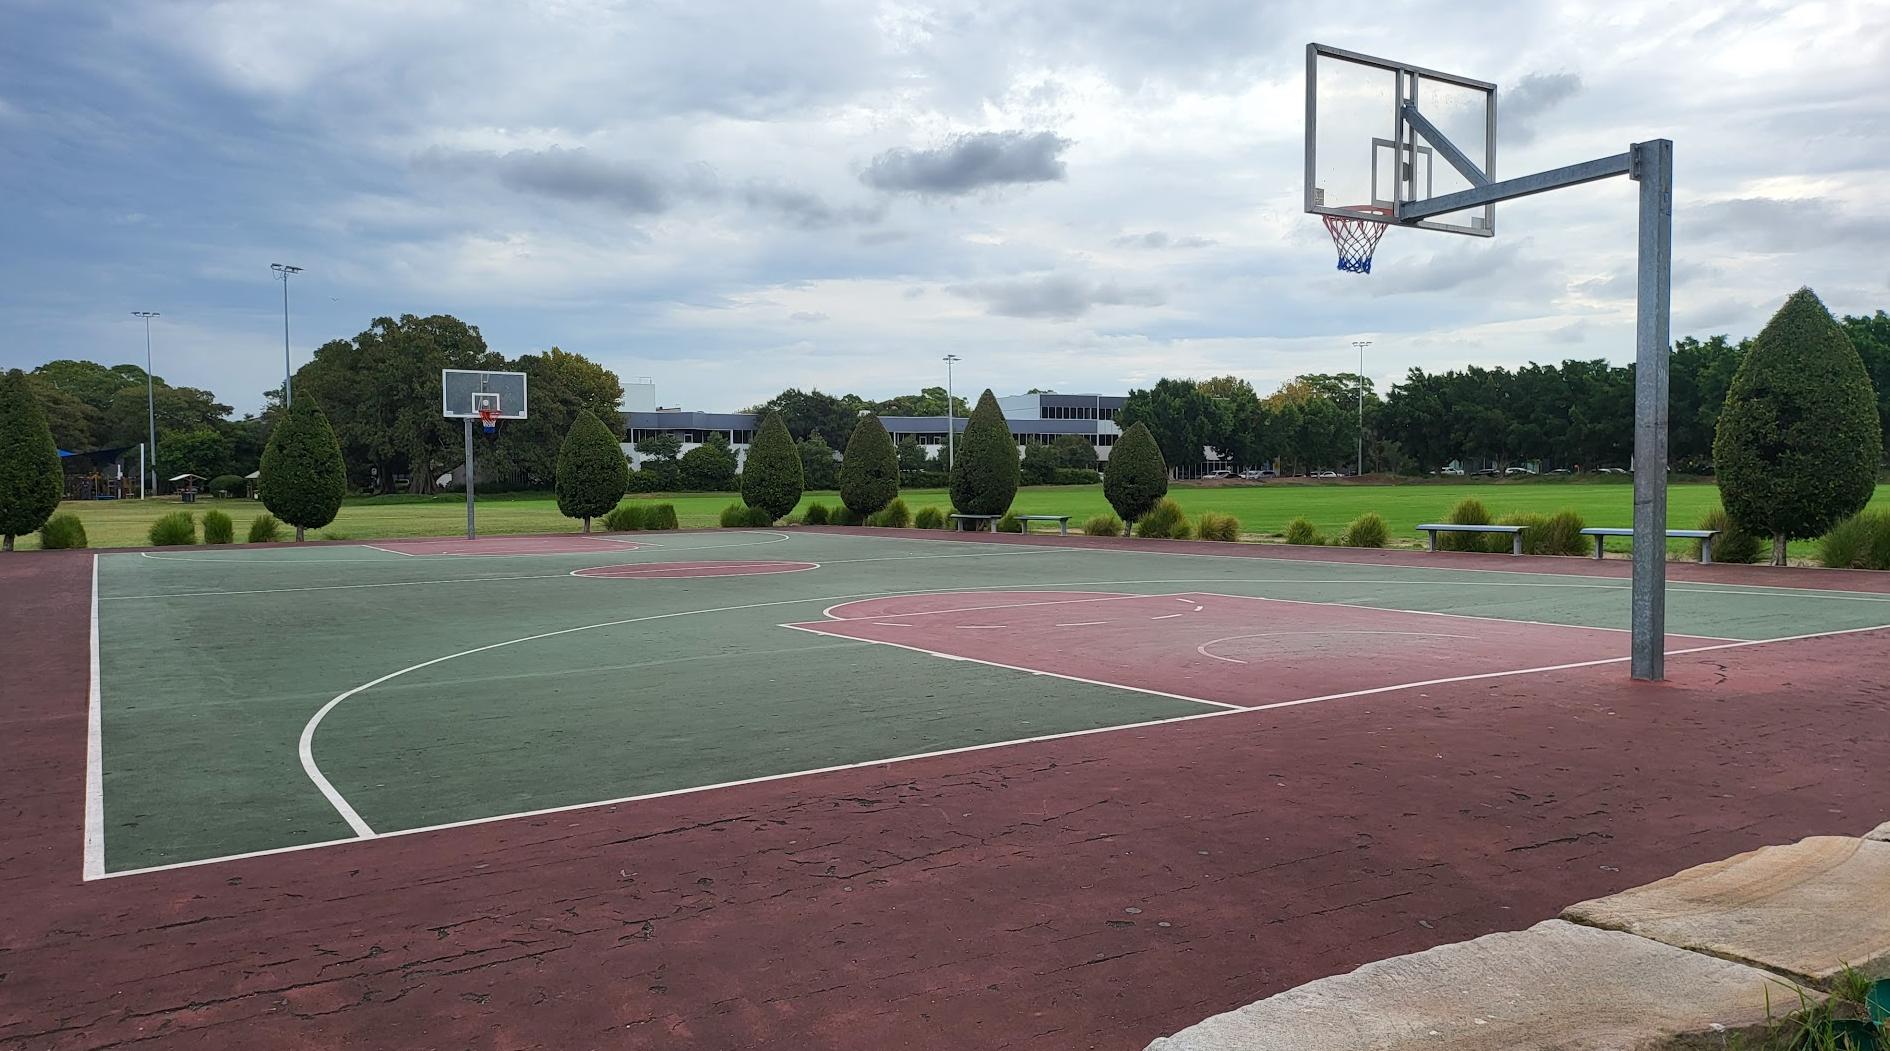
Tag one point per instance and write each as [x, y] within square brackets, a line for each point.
[1062, 521]
[1434, 528]
[1704, 536]
[976, 523]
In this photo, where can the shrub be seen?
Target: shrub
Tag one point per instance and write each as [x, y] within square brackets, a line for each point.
[816, 514]
[1301, 531]
[264, 529]
[217, 528]
[61, 532]
[1103, 525]
[31, 480]
[176, 529]
[869, 469]
[1367, 530]
[842, 515]
[1797, 445]
[1503, 543]
[772, 476]
[1137, 476]
[735, 515]
[1733, 544]
[1861, 541]
[893, 516]
[929, 518]
[625, 518]
[709, 467]
[302, 478]
[1076, 476]
[1212, 525]
[1163, 521]
[591, 473]
[1009, 523]
[1562, 535]
[228, 485]
[1469, 511]
[659, 516]
[986, 472]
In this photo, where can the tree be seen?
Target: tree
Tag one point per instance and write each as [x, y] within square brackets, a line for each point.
[1871, 336]
[912, 457]
[1074, 450]
[812, 412]
[985, 478]
[1137, 477]
[1180, 418]
[201, 451]
[1039, 465]
[592, 473]
[660, 470]
[869, 470]
[125, 420]
[562, 385]
[819, 469]
[772, 479]
[1798, 443]
[928, 402]
[31, 480]
[709, 467]
[302, 477]
[74, 423]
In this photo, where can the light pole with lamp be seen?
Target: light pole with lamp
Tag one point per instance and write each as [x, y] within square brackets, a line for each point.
[283, 270]
[951, 423]
[150, 402]
[1360, 345]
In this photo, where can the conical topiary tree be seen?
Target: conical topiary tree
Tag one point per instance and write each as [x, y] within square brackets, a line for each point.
[1136, 478]
[1797, 446]
[869, 469]
[772, 478]
[31, 480]
[592, 471]
[302, 479]
[985, 476]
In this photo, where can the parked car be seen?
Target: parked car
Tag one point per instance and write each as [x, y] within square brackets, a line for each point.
[1487, 472]
[1254, 474]
[1325, 474]
[1218, 474]
[1452, 472]
[1612, 470]
[1517, 470]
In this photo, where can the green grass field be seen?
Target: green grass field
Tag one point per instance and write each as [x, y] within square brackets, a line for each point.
[1263, 510]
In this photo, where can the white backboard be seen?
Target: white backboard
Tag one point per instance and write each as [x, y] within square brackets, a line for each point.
[463, 392]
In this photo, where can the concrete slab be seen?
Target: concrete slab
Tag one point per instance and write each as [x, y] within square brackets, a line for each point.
[1805, 909]
[1881, 833]
[1554, 987]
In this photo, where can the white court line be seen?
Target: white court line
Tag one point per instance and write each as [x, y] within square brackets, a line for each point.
[966, 749]
[691, 570]
[1172, 616]
[374, 547]
[778, 538]
[828, 612]
[1453, 616]
[94, 756]
[1203, 648]
[1092, 623]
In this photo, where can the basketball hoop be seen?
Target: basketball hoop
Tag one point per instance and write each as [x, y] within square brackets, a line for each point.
[1356, 238]
[489, 418]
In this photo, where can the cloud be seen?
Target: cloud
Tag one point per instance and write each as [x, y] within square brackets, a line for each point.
[1158, 239]
[1778, 225]
[1060, 297]
[970, 163]
[1533, 95]
[808, 316]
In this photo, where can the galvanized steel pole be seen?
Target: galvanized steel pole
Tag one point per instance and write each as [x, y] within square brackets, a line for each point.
[1652, 167]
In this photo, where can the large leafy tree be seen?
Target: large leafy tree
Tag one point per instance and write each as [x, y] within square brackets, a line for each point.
[302, 478]
[1137, 477]
[912, 456]
[1181, 418]
[1074, 450]
[928, 402]
[1870, 334]
[90, 382]
[179, 409]
[986, 474]
[561, 386]
[31, 481]
[815, 412]
[381, 389]
[819, 469]
[709, 467]
[869, 470]
[660, 471]
[592, 473]
[772, 479]
[203, 451]
[1799, 441]
[75, 424]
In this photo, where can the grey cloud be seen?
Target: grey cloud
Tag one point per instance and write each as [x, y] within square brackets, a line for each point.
[1057, 296]
[805, 208]
[807, 316]
[1158, 239]
[1533, 95]
[579, 175]
[1784, 224]
[970, 163]
[1491, 268]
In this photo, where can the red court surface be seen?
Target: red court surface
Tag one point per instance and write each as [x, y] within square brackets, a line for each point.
[691, 570]
[506, 545]
[1226, 651]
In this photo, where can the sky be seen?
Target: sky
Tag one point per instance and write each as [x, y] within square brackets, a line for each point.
[735, 198]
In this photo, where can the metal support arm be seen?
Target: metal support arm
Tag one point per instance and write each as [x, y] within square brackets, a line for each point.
[1522, 186]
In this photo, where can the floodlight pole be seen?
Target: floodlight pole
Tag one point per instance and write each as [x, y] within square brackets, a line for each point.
[951, 422]
[1361, 344]
[471, 533]
[150, 405]
[1653, 169]
[283, 270]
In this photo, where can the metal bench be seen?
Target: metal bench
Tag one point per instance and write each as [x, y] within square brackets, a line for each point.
[1434, 528]
[1704, 536]
[1062, 521]
[975, 523]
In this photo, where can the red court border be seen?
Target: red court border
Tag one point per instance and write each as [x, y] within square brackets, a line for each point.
[691, 570]
[579, 544]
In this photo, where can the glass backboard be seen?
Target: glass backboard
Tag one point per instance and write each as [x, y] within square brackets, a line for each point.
[464, 392]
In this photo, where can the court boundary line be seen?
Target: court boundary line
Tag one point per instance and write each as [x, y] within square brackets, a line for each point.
[154, 556]
[308, 729]
[695, 570]
[94, 754]
[1203, 648]
[1455, 616]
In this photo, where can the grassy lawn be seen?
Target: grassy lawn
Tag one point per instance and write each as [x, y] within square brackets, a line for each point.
[1262, 509]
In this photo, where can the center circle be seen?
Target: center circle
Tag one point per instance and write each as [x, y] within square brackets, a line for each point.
[691, 570]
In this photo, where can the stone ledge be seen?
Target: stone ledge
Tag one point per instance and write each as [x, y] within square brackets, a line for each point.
[1880, 834]
[1557, 986]
[1804, 910]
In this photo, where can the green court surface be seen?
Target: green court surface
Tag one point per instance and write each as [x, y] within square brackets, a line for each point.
[428, 688]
